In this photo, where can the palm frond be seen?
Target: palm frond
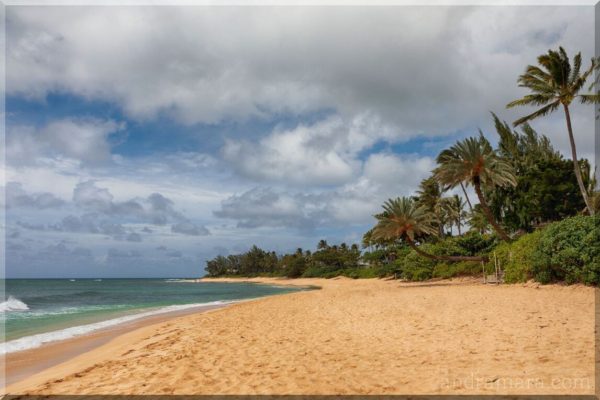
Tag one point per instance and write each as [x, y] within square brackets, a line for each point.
[589, 98]
[470, 159]
[539, 113]
[402, 217]
[531, 99]
[576, 68]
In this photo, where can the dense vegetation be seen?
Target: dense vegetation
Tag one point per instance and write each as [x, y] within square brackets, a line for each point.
[327, 261]
[534, 216]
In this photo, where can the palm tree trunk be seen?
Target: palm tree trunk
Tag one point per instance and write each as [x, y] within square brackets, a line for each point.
[488, 213]
[466, 196]
[458, 226]
[443, 258]
[576, 161]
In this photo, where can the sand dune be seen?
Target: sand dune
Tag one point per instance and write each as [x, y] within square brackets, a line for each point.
[353, 337]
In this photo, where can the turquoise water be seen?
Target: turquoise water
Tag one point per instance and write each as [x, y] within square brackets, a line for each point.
[38, 311]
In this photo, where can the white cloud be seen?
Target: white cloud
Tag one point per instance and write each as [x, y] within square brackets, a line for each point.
[261, 207]
[87, 194]
[398, 173]
[323, 153]
[384, 176]
[426, 70]
[376, 74]
[82, 139]
[15, 196]
[189, 228]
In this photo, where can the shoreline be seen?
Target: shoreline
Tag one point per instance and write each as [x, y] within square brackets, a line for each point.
[19, 365]
[307, 283]
[352, 337]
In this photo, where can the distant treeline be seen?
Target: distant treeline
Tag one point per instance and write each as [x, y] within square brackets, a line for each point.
[326, 261]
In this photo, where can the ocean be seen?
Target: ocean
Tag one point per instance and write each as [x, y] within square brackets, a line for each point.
[38, 311]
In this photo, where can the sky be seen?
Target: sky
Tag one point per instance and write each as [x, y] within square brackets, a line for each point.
[142, 141]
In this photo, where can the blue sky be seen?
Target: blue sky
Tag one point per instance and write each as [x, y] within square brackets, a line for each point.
[143, 141]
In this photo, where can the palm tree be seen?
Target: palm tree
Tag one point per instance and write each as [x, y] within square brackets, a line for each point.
[552, 84]
[367, 240]
[456, 211]
[322, 244]
[462, 186]
[402, 218]
[430, 196]
[478, 221]
[474, 162]
[592, 189]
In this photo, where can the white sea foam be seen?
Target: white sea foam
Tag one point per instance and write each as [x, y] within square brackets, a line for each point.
[33, 314]
[33, 341]
[12, 304]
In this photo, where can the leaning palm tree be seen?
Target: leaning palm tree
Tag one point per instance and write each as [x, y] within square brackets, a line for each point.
[462, 186]
[553, 84]
[402, 218]
[474, 162]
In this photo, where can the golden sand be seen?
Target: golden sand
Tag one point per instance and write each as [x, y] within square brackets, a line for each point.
[353, 337]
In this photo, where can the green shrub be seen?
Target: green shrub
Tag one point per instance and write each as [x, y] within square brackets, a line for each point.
[569, 251]
[354, 273]
[516, 258]
[474, 243]
[384, 270]
[360, 273]
[415, 267]
[313, 272]
[452, 269]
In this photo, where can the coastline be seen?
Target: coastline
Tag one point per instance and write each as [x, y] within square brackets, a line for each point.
[352, 337]
[20, 365]
[274, 281]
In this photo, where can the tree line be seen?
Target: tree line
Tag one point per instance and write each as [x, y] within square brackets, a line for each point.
[325, 261]
[526, 194]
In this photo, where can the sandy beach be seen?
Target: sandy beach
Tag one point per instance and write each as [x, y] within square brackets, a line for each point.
[353, 337]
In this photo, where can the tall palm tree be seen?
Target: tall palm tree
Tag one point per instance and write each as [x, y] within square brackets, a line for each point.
[402, 218]
[456, 211]
[462, 186]
[556, 83]
[474, 162]
[592, 189]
